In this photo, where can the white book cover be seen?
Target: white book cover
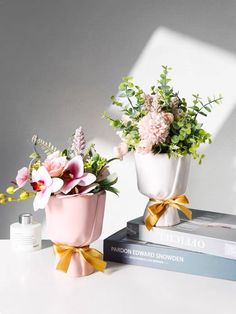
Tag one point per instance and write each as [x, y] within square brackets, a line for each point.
[208, 232]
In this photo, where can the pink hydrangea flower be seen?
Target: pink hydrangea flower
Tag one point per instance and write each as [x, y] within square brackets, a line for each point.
[44, 185]
[55, 164]
[168, 117]
[144, 147]
[154, 127]
[74, 175]
[22, 177]
[152, 103]
[121, 150]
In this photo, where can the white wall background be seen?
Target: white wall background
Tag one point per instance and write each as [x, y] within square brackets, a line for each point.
[60, 60]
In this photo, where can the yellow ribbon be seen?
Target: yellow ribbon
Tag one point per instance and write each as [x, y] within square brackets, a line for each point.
[158, 207]
[65, 252]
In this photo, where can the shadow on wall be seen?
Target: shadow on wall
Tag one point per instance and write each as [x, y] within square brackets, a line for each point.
[213, 184]
[199, 68]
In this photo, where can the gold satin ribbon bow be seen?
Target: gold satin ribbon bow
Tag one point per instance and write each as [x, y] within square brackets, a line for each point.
[160, 206]
[65, 252]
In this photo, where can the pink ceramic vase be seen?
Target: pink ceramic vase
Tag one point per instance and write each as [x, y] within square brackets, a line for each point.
[76, 221]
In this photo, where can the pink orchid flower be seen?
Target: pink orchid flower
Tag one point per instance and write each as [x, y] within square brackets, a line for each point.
[44, 185]
[22, 177]
[74, 175]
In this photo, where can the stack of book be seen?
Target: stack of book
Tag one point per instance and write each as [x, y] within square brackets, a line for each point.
[205, 245]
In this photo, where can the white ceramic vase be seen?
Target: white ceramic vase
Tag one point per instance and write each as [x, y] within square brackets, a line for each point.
[161, 177]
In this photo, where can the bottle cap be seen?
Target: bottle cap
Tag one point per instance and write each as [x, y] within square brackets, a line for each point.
[26, 219]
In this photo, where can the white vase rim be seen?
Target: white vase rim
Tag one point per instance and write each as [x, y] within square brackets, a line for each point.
[161, 154]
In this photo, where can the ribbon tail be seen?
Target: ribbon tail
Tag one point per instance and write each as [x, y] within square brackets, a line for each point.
[186, 211]
[155, 210]
[64, 261]
[182, 199]
[150, 221]
[94, 258]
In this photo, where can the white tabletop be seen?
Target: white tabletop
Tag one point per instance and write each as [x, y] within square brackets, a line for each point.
[30, 285]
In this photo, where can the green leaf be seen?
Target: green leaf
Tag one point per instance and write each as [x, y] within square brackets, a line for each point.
[198, 126]
[115, 123]
[208, 109]
[109, 180]
[127, 78]
[175, 125]
[182, 131]
[122, 95]
[46, 147]
[196, 108]
[141, 101]
[34, 155]
[203, 113]
[112, 189]
[130, 92]
[65, 153]
[116, 102]
[180, 124]
[122, 86]
[175, 139]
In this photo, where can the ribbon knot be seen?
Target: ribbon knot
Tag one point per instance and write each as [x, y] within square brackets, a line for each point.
[65, 252]
[158, 207]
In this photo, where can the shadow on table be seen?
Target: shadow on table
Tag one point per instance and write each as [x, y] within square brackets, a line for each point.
[113, 267]
[46, 244]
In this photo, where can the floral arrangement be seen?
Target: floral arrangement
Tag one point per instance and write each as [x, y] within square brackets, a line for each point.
[74, 171]
[160, 121]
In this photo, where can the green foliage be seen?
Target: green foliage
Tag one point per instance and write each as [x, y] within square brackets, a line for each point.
[93, 161]
[107, 184]
[46, 147]
[186, 133]
[96, 164]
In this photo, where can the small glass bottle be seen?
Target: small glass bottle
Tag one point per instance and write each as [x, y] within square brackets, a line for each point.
[25, 235]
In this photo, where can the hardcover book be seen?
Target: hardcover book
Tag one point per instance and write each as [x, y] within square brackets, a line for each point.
[119, 248]
[208, 232]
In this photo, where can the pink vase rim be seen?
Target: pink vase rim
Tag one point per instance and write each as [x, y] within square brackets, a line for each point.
[77, 195]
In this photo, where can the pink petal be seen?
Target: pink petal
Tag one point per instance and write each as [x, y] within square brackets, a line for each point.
[76, 166]
[69, 185]
[86, 190]
[22, 177]
[42, 174]
[35, 176]
[54, 155]
[41, 199]
[87, 179]
[57, 183]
